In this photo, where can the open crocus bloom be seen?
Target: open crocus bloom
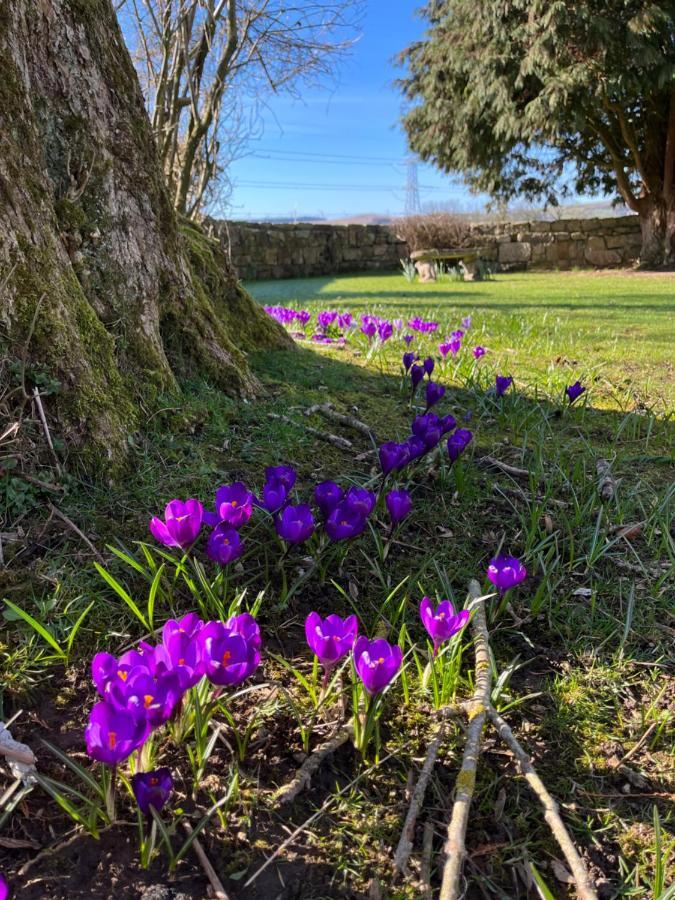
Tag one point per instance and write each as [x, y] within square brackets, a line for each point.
[478, 351]
[295, 524]
[330, 638]
[443, 622]
[181, 525]
[376, 662]
[234, 504]
[113, 734]
[224, 544]
[345, 522]
[227, 656]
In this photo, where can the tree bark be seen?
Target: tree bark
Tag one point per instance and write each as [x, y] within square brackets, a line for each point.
[657, 223]
[99, 286]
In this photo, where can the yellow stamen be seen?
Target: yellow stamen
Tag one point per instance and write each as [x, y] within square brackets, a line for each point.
[147, 700]
[112, 740]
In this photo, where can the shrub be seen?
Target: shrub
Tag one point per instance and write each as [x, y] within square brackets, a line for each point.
[433, 231]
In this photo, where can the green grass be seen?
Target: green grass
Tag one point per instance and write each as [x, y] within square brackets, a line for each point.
[585, 653]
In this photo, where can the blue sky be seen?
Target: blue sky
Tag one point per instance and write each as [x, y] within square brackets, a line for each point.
[341, 151]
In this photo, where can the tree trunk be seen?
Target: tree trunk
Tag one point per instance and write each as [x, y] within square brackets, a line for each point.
[657, 222]
[99, 287]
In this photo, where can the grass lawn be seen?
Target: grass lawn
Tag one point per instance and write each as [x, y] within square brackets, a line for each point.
[582, 651]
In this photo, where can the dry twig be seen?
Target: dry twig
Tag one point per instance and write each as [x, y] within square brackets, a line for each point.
[219, 891]
[326, 410]
[455, 848]
[333, 439]
[427, 850]
[551, 812]
[491, 462]
[45, 429]
[64, 518]
[288, 792]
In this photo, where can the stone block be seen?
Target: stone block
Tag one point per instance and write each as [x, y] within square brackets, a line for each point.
[515, 253]
[615, 241]
[602, 258]
[596, 243]
[578, 236]
[541, 237]
[592, 224]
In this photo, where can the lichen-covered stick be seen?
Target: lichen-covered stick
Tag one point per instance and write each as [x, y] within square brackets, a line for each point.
[551, 814]
[455, 848]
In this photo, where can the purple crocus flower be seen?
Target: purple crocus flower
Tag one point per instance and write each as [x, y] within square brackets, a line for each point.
[466, 322]
[295, 524]
[447, 423]
[428, 429]
[344, 320]
[368, 326]
[303, 316]
[408, 338]
[506, 572]
[408, 360]
[428, 365]
[442, 623]
[360, 499]
[416, 447]
[458, 334]
[4, 888]
[189, 625]
[326, 318]
[234, 504]
[444, 348]
[434, 393]
[113, 734]
[399, 505]
[458, 442]
[150, 698]
[152, 789]
[392, 456]
[574, 391]
[224, 544]
[416, 375]
[181, 525]
[285, 474]
[330, 638]
[182, 653]
[478, 351]
[227, 657]
[384, 331]
[274, 495]
[345, 522]
[376, 662]
[327, 495]
[245, 625]
[502, 384]
[455, 345]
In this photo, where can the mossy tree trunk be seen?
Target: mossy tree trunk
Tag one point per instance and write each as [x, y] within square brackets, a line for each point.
[98, 284]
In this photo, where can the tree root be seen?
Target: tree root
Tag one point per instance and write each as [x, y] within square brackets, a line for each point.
[455, 846]
[288, 792]
[333, 439]
[551, 813]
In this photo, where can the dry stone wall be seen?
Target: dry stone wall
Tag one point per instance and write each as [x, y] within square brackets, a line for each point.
[261, 250]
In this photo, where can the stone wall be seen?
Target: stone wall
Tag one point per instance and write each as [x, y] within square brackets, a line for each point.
[562, 244]
[262, 250]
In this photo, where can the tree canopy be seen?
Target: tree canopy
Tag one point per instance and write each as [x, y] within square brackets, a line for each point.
[540, 99]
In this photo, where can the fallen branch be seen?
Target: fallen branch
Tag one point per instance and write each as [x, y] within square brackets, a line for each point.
[326, 410]
[219, 891]
[455, 847]
[73, 527]
[491, 462]
[288, 792]
[551, 812]
[427, 850]
[405, 844]
[606, 481]
[333, 439]
[634, 749]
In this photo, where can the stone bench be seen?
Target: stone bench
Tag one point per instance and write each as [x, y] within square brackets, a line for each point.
[426, 260]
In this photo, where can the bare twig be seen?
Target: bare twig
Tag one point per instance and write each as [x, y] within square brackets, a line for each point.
[455, 848]
[551, 812]
[43, 485]
[45, 429]
[219, 891]
[64, 518]
[333, 439]
[491, 462]
[606, 481]
[322, 809]
[427, 850]
[634, 749]
[288, 792]
[405, 844]
[326, 410]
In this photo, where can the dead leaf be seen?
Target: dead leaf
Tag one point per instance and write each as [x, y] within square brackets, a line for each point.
[561, 872]
[628, 531]
[582, 592]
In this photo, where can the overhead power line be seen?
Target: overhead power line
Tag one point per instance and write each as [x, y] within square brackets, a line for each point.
[290, 185]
